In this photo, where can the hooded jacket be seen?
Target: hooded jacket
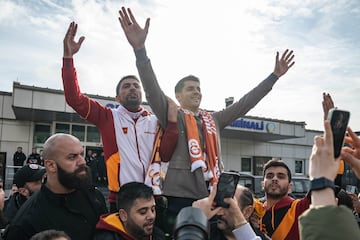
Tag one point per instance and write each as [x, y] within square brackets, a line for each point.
[110, 227]
[274, 216]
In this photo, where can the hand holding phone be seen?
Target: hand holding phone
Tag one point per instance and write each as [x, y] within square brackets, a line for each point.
[226, 188]
[339, 120]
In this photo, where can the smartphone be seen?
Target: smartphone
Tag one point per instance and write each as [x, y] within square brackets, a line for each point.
[339, 120]
[226, 188]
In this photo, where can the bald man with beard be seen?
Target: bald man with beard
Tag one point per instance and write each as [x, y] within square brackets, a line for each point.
[67, 201]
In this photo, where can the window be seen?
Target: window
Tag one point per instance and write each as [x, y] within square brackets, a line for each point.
[92, 134]
[41, 133]
[62, 128]
[245, 164]
[299, 166]
[259, 164]
[78, 131]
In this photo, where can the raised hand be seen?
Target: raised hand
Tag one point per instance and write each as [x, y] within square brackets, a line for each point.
[351, 153]
[235, 217]
[322, 162]
[70, 45]
[283, 65]
[327, 104]
[206, 204]
[135, 35]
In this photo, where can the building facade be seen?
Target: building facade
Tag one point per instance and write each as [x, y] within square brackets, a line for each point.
[29, 115]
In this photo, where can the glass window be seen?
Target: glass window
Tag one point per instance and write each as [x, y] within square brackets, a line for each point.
[259, 163]
[299, 166]
[41, 133]
[246, 164]
[62, 128]
[93, 134]
[78, 131]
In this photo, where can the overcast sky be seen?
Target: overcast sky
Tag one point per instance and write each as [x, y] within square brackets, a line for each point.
[230, 45]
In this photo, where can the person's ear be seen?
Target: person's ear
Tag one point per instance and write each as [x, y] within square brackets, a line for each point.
[290, 188]
[178, 97]
[117, 98]
[123, 215]
[247, 211]
[50, 165]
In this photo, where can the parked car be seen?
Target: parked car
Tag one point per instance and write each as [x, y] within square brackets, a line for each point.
[253, 183]
[300, 186]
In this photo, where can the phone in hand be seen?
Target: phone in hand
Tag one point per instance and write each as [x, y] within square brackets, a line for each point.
[339, 120]
[226, 188]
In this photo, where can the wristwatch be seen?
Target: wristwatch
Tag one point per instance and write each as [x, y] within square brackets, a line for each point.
[321, 183]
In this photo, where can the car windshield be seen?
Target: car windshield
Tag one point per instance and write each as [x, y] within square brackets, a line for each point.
[300, 185]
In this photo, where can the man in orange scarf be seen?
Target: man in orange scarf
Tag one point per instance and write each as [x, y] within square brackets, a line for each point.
[195, 164]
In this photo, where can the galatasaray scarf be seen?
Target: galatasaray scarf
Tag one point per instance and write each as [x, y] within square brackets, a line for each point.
[207, 159]
[157, 170]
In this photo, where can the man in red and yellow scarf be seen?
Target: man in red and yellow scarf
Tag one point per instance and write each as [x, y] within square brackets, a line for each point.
[280, 221]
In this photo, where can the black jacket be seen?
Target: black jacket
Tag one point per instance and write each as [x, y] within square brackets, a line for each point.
[110, 227]
[75, 213]
[19, 158]
[13, 205]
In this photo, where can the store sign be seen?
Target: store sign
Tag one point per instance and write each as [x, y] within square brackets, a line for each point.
[254, 125]
[242, 123]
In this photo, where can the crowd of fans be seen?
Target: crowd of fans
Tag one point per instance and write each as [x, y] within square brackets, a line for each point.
[159, 165]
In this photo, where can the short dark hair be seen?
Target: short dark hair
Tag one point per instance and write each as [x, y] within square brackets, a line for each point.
[276, 163]
[50, 235]
[131, 191]
[246, 197]
[180, 84]
[122, 79]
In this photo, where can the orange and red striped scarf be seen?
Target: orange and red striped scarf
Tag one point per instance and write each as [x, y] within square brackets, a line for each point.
[207, 158]
[157, 170]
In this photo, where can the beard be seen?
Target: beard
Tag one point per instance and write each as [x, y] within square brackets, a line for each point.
[276, 195]
[224, 226]
[139, 232]
[222, 223]
[132, 101]
[131, 105]
[75, 180]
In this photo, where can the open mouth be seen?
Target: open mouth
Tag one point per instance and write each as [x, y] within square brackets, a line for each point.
[149, 226]
[132, 95]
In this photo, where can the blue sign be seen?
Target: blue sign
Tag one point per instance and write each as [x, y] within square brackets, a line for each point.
[256, 125]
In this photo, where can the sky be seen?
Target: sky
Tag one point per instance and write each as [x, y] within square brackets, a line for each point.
[230, 45]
